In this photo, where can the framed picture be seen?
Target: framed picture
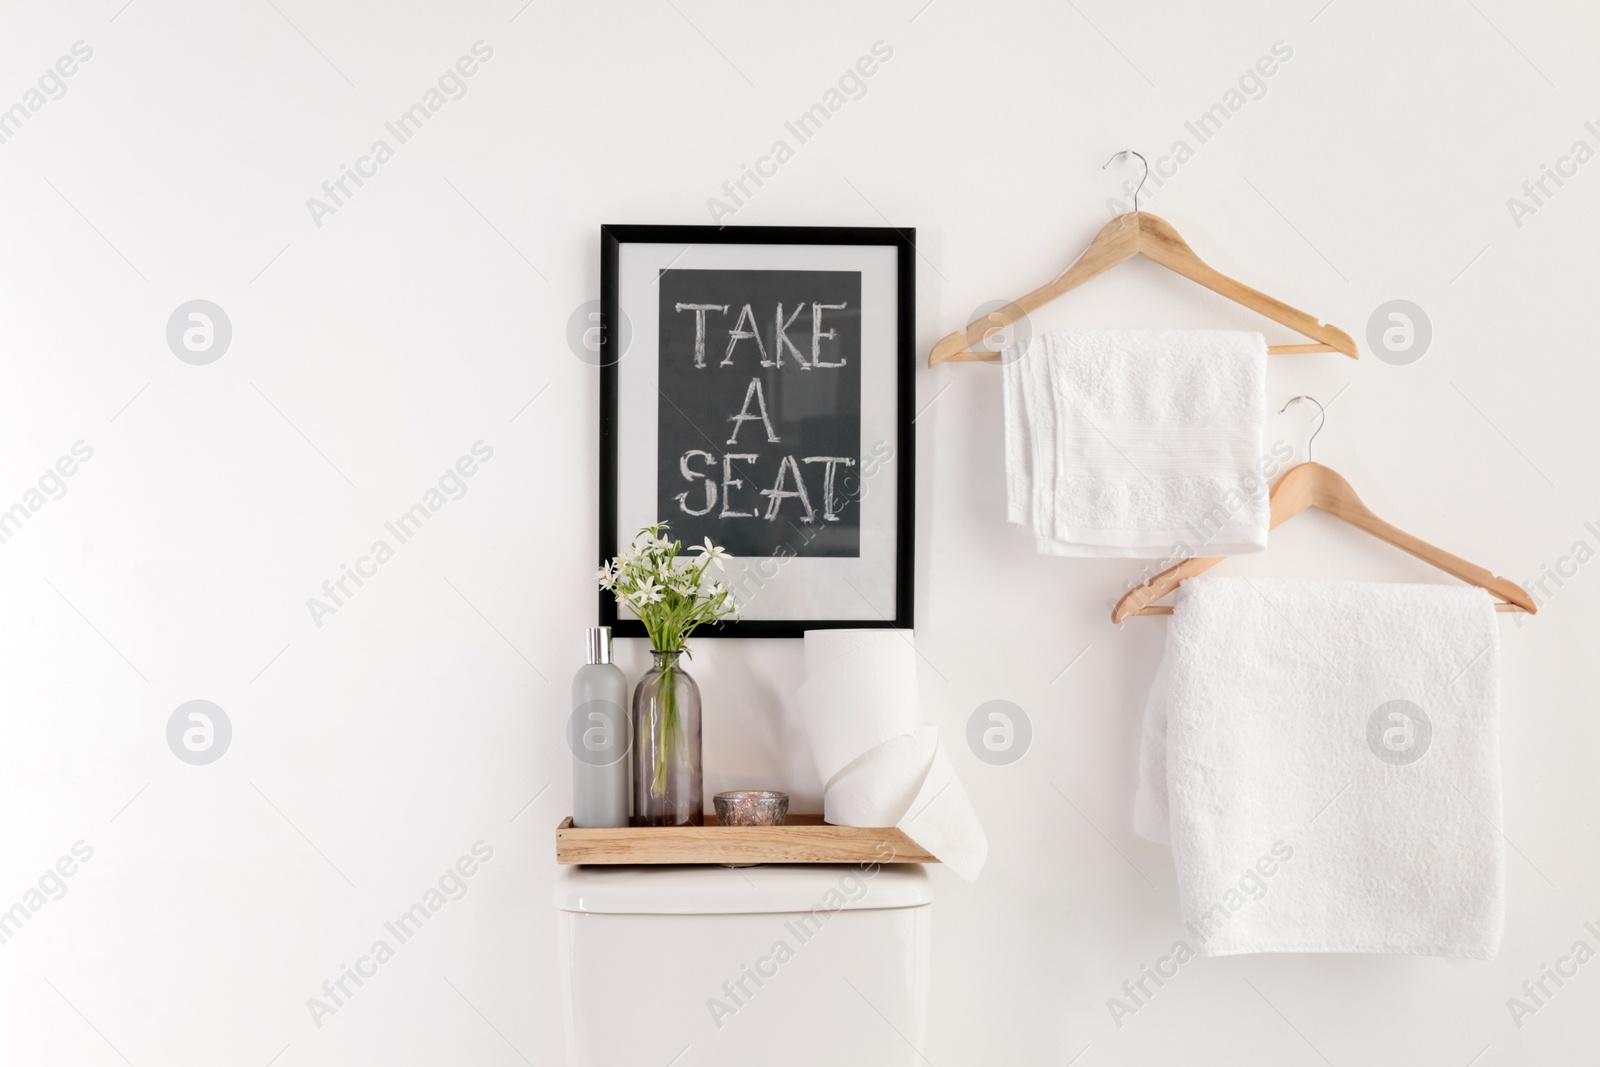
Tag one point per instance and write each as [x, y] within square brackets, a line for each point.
[756, 389]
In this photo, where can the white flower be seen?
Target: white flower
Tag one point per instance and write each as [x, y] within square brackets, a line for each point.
[671, 599]
[715, 553]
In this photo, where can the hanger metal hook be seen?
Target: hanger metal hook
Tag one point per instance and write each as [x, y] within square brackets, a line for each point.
[1321, 421]
[1144, 178]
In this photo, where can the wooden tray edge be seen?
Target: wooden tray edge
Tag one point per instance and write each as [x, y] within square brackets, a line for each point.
[805, 842]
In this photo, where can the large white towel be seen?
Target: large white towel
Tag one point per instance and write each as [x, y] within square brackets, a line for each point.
[1143, 443]
[1324, 759]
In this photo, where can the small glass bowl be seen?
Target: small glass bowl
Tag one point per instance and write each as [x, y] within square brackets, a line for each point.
[751, 807]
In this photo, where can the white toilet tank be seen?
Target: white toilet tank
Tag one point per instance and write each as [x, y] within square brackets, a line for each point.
[773, 965]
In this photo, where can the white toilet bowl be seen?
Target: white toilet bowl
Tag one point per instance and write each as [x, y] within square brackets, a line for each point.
[772, 965]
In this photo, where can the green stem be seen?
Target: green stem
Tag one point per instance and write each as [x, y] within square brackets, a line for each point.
[666, 729]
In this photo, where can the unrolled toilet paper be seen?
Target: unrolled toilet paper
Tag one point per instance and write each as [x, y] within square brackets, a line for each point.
[879, 764]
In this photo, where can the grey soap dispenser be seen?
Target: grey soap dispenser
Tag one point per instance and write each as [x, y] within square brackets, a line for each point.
[599, 733]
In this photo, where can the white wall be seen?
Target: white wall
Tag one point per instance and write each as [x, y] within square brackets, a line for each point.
[371, 352]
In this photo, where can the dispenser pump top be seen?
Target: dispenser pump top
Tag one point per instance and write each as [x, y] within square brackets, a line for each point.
[597, 644]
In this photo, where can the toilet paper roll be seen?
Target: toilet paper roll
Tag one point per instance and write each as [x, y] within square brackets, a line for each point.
[880, 765]
[823, 647]
[860, 690]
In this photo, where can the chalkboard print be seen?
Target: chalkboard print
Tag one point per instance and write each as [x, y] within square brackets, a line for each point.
[757, 389]
[759, 425]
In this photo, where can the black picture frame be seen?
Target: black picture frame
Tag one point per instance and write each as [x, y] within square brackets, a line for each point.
[612, 238]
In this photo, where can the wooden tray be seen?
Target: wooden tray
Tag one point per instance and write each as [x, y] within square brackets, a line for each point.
[805, 839]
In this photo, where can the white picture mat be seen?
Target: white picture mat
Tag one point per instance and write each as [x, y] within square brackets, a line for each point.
[862, 588]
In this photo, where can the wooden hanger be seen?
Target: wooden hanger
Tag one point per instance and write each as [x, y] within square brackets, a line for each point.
[1311, 485]
[1139, 233]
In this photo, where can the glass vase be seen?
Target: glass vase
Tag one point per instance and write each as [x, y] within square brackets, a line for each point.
[667, 785]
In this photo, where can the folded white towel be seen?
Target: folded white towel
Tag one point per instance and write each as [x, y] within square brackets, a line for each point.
[1142, 443]
[1324, 759]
